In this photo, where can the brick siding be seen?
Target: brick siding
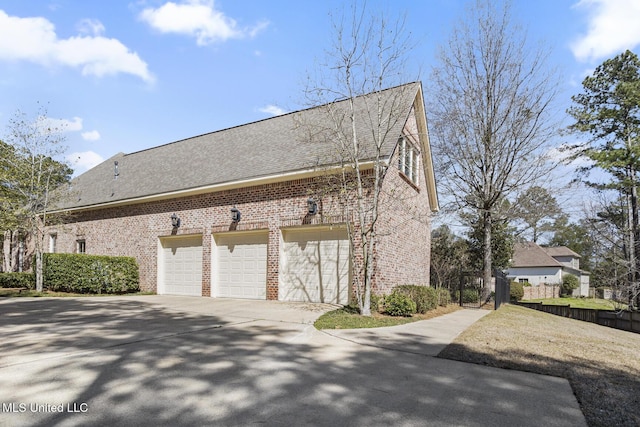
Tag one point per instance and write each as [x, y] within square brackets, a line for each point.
[134, 230]
[402, 252]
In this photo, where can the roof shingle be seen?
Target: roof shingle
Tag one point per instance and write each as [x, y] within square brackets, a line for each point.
[529, 254]
[264, 148]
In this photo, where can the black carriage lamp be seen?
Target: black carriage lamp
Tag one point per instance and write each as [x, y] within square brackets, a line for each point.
[312, 206]
[235, 214]
[175, 221]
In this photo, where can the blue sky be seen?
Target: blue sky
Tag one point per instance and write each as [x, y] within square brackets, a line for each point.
[130, 75]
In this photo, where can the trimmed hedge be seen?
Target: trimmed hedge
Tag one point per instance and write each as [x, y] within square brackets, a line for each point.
[516, 291]
[469, 296]
[399, 304]
[97, 274]
[377, 302]
[444, 297]
[425, 297]
[17, 280]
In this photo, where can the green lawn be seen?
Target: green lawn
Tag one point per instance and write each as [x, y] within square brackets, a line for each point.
[594, 303]
[348, 318]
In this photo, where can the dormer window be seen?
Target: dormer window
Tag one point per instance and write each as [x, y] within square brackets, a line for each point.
[409, 160]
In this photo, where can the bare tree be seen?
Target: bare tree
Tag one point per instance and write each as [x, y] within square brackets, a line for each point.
[491, 109]
[32, 173]
[368, 55]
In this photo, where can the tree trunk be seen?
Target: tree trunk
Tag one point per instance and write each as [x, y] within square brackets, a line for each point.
[486, 262]
[6, 251]
[634, 234]
[38, 271]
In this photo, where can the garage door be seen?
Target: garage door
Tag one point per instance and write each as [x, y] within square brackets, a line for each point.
[240, 265]
[181, 266]
[315, 266]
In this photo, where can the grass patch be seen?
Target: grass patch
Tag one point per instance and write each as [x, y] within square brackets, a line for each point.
[593, 303]
[601, 364]
[348, 318]
[20, 293]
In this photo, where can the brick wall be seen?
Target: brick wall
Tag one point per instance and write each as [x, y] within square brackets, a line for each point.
[404, 252]
[135, 230]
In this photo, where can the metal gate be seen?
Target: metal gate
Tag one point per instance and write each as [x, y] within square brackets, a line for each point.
[470, 290]
[472, 294]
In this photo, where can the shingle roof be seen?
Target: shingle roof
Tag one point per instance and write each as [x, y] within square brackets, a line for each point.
[529, 254]
[561, 251]
[260, 149]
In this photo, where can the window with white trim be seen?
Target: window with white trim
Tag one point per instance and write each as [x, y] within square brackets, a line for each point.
[53, 238]
[409, 160]
[81, 246]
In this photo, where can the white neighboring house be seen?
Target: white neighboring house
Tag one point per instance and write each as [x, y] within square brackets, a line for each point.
[539, 265]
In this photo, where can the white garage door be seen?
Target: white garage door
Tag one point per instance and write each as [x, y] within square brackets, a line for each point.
[240, 265]
[181, 266]
[315, 266]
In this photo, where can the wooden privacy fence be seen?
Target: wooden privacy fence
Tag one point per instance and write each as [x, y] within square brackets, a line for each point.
[541, 291]
[625, 320]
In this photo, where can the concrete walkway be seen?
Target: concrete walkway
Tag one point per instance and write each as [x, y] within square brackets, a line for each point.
[426, 337]
[186, 361]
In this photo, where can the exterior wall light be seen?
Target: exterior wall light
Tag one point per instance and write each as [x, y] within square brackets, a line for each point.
[312, 206]
[235, 214]
[175, 221]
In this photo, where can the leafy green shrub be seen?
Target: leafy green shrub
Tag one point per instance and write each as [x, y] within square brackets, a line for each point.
[97, 274]
[17, 280]
[516, 291]
[569, 283]
[351, 308]
[377, 305]
[425, 297]
[377, 302]
[444, 297]
[399, 304]
[468, 295]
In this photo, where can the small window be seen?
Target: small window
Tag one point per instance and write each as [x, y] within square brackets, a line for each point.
[81, 246]
[408, 160]
[53, 238]
[523, 281]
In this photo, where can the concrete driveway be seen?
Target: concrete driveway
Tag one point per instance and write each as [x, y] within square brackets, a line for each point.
[158, 360]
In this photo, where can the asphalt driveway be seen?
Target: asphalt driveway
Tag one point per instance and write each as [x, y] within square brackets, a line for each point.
[158, 360]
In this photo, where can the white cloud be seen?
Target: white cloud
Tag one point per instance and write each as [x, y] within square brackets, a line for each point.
[84, 160]
[568, 155]
[35, 40]
[93, 135]
[614, 26]
[91, 26]
[50, 125]
[65, 125]
[199, 19]
[273, 110]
